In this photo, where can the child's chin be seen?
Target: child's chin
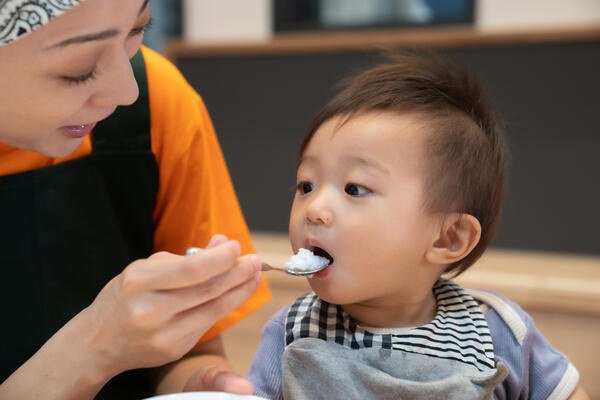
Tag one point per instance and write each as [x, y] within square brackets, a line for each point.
[322, 274]
[329, 293]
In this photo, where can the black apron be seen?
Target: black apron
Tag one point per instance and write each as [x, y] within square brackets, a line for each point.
[67, 229]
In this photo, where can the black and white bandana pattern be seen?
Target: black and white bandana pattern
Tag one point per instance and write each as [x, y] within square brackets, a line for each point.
[20, 17]
[459, 330]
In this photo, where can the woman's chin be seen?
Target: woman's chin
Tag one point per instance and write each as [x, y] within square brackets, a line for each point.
[59, 148]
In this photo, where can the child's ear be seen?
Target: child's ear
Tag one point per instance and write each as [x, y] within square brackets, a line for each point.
[459, 234]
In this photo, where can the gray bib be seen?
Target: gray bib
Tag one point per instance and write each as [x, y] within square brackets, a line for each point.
[329, 356]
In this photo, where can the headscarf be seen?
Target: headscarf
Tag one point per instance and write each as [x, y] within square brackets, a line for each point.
[20, 17]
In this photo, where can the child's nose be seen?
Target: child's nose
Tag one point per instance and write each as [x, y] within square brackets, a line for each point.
[319, 210]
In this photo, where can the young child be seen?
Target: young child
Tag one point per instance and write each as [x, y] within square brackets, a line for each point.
[400, 181]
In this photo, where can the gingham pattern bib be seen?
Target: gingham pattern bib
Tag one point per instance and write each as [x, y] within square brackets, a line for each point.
[458, 332]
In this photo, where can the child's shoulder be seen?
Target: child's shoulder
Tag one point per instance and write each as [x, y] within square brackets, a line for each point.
[536, 367]
[503, 315]
[279, 317]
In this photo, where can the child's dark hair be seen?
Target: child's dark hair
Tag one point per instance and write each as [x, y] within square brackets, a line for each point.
[467, 154]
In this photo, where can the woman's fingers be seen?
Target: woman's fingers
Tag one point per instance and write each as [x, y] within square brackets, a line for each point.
[178, 300]
[156, 309]
[216, 240]
[189, 325]
[218, 378]
[172, 339]
[164, 271]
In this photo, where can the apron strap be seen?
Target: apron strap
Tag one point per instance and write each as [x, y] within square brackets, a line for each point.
[67, 229]
[108, 135]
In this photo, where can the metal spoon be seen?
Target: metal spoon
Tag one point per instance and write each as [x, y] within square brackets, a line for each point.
[267, 267]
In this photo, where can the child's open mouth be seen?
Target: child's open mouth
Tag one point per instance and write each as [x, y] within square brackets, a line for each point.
[322, 253]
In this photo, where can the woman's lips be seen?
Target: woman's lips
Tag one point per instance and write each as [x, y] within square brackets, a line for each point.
[78, 131]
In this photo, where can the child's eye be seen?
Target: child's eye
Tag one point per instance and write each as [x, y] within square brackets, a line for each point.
[356, 190]
[305, 187]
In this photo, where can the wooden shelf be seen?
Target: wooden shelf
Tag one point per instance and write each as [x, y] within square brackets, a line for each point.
[439, 37]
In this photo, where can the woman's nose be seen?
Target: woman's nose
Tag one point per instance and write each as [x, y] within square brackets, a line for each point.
[319, 210]
[119, 87]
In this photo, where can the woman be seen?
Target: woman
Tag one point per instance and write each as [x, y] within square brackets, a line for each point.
[84, 299]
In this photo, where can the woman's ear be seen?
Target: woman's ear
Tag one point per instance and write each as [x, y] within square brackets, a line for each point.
[458, 236]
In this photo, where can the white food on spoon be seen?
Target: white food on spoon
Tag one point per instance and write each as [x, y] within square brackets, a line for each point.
[305, 261]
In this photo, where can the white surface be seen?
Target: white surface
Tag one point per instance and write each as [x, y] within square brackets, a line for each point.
[226, 20]
[305, 261]
[204, 396]
[500, 14]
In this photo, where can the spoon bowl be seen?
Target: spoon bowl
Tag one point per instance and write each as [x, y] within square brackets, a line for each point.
[293, 271]
[267, 267]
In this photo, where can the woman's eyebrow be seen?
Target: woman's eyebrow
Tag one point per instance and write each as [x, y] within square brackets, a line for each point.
[143, 7]
[94, 36]
[86, 38]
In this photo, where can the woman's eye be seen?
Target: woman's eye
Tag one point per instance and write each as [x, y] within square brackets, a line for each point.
[140, 30]
[81, 78]
[355, 190]
[305, 187]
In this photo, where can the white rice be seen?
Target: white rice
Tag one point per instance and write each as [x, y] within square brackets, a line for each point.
[305, 261]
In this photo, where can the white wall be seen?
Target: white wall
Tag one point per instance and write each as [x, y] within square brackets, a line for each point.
[239, 20]
[226, 20]
[501, 14]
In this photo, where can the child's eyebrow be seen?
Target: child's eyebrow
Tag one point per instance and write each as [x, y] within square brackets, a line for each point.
[369, 163]
[307, 160]
[366, 162]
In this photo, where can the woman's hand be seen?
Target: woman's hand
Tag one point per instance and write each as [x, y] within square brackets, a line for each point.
[152, 313]
[218, 378]
[155, 311]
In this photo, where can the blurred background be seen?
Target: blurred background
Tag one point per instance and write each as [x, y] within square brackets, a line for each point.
[265, 67]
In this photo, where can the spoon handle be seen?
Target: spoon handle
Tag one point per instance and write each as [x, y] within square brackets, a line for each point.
[265, 266]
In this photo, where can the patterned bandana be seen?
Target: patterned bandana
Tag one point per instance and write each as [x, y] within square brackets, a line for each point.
[20, 17]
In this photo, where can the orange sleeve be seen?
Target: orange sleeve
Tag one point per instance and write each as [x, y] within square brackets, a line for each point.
[196, 197]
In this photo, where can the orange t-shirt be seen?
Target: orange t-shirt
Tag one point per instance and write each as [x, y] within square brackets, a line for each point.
[196, 198]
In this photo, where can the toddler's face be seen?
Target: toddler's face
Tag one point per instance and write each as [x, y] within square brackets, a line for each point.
[359, 199]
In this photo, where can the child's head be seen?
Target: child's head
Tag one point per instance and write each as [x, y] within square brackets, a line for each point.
[412, 153]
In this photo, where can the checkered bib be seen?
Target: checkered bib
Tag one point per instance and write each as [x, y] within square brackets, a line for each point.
[329, 356]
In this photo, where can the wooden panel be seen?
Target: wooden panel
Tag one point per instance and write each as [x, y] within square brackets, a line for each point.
[315, 42]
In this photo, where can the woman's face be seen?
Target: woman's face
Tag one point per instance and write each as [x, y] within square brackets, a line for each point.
[58, 81]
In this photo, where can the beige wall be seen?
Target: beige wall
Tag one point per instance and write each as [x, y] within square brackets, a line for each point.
[501, 14]
[250, 20]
